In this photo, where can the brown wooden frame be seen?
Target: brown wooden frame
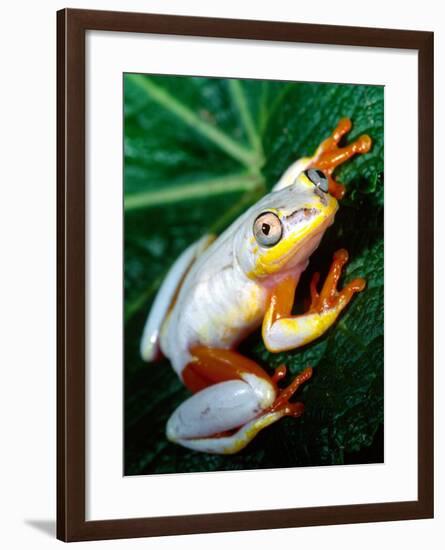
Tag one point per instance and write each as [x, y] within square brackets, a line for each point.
[71, 27]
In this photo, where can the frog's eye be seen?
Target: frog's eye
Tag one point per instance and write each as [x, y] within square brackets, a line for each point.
[318, 178]
[267, 229]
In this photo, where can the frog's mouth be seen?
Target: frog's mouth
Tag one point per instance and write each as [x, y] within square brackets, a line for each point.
[301, 215]
[316, 223]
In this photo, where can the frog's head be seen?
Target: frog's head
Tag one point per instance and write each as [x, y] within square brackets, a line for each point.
[282, 230]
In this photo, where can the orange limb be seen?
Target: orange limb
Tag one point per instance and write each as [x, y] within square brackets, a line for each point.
[279, 374]
[329, 300]
[193, 378]
[281, 299]
[330, 296]
[281, 402]
[213, 365]
[329, 155]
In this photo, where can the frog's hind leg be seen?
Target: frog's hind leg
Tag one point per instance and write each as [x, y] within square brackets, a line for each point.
[235, 399]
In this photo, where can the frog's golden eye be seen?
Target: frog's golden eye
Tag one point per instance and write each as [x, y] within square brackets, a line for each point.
[318, 178]
[267, 229]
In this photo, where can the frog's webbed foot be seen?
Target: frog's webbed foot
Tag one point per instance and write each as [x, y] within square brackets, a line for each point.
[234, 400]
[283, 331]
[281, 403]
[330, 298]
[329, 155]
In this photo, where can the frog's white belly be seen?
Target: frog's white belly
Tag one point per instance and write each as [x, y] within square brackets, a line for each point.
[216, 307]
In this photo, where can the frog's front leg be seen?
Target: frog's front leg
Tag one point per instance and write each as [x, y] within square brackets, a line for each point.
[327, 157]
[283, 331]
[235, 399]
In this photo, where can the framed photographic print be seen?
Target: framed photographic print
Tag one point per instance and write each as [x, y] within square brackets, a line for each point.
[245, 280]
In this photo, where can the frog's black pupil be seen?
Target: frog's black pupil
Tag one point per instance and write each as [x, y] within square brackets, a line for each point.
[265, 228]
[320, 174]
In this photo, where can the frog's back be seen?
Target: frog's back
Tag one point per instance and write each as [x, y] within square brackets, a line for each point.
[217, 305]
[165, 297]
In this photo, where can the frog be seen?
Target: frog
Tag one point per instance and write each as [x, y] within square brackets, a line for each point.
[222, 289]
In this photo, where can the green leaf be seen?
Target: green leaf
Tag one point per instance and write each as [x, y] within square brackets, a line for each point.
[198, 152]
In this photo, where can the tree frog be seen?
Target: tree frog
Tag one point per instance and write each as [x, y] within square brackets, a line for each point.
[221, 289]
